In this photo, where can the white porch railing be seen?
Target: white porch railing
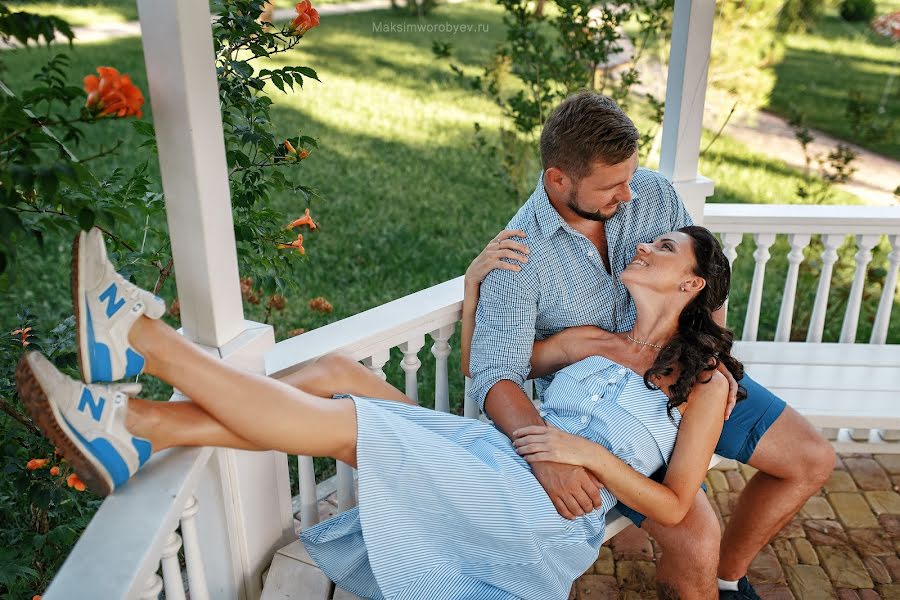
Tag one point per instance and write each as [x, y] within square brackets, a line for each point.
[135, 530]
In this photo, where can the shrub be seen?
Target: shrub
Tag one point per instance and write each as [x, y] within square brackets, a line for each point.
[857, 10]
[799, 15]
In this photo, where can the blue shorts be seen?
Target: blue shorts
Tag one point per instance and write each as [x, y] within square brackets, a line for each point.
[750, 419]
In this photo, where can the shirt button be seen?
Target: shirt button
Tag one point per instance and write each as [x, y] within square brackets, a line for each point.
[595, 397]
[590, 254]
[613, 380]
[621, 371]
[584, 419]
[542, 414]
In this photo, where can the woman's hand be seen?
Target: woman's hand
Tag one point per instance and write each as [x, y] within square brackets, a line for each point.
[490, 258]
[545, 443]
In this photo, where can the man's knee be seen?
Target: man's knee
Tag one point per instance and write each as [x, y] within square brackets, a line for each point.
[695, 541]
[818, 461]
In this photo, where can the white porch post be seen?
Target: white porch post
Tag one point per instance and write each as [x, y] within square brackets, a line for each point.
[685, 95]
[253, 487]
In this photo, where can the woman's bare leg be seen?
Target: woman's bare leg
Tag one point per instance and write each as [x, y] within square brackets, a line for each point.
[339, 374]
[174, 423]
[266, 413]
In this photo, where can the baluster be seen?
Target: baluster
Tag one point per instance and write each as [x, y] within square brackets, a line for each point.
[346, 488]
[174, 584]
[441, 350]
[883, 317]
[798, 242]
[864, 245]
[376, 362]
[309, 504]
[470, 408]
[829, 257]
[152, 588]
[411, 365]
[192, 557]
[730, 242]
[763, 242]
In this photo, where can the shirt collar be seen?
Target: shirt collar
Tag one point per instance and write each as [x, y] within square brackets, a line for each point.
[548, 220]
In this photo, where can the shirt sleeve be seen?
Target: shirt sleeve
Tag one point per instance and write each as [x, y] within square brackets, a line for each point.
[678, 215]
[504, 331]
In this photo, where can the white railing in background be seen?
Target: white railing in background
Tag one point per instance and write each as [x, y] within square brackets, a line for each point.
[867, 225]
[404, 323]
[180, 492]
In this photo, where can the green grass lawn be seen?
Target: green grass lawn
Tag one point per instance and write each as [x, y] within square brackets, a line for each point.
[409, 200]
[820, 67]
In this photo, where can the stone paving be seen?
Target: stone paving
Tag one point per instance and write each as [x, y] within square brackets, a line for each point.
[844, 544]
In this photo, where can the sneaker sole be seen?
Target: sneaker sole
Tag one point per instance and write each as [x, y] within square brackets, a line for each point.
[46, 415]
[77, 305]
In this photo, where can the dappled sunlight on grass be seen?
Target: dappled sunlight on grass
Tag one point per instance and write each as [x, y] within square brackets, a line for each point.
[78, 15]
[821, 68]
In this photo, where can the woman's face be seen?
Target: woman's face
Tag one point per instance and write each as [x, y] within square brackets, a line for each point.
[665, 265]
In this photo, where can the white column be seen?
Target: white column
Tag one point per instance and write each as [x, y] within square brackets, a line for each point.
[798, 242]
[193, 557]
[763, 242]
[153, 588]
[411, 365]
[692, 31]
[178, 52]
[864, 245]
[376, 362]
[171, 569]
[730, 242]
[883, 317]
[831, 243]
[253, 488]
[441, 350]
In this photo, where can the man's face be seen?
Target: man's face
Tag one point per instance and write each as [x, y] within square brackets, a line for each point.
[598, 196]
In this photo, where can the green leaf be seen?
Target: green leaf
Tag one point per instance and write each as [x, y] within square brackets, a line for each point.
[86, 218]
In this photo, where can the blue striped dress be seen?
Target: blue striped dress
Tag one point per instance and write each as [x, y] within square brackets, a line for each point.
[448, 510]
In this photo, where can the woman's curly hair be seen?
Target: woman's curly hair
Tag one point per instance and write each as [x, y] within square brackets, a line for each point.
[700, 343]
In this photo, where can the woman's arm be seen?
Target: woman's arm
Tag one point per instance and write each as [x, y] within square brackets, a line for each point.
[564, 348]
[665, 503]
[490, 258]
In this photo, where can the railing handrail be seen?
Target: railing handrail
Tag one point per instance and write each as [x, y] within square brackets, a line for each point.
[799, 218]
[122, 537]
[364, 333]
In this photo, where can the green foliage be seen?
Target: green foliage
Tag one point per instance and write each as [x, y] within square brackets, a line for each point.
[857, 10]
[48, 192]
[42, 515]
[800, 15]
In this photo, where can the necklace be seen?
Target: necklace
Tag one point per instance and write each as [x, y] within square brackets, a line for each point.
[658, 347]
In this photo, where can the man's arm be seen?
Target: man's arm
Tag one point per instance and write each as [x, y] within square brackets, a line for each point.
[500, 364]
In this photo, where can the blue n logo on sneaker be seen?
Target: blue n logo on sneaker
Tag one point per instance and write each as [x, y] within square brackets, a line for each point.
[87, 399]
[112, 304]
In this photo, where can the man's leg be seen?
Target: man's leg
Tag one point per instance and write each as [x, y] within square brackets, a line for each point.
[794, 461]
[690, 552]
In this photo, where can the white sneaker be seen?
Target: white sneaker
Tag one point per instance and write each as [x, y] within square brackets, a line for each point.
[106, 306]
[85, 422]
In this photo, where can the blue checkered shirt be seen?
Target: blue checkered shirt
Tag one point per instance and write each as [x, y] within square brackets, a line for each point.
[564, 283]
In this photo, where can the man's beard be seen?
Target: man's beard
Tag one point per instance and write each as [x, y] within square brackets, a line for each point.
[572, 203]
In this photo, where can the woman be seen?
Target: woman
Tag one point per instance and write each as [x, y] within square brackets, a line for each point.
[448, 507]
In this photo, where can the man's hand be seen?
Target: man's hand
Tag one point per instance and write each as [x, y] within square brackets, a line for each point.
[574, 491]
[732, 389]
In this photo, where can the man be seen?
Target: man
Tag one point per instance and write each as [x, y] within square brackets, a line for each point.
[591, 208]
